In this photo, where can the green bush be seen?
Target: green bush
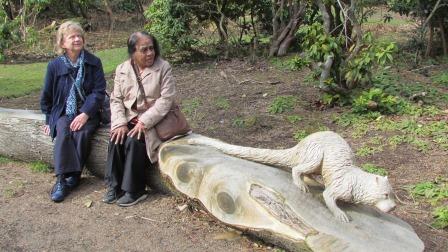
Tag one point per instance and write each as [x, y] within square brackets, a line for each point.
[190, 106]
[170, 23]
[393, 84]
[371, 168]
[441, 79]
[299, 135]
[4, 160]
[433, 191]
[282, 104]
[297, 63]
[293, 118]
[40, 167]
[247, 122]
[222, 103]
[376, 100]
[440, 215]
[9, 32]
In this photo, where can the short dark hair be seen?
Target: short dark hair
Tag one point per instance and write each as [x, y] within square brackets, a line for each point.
[132, 42]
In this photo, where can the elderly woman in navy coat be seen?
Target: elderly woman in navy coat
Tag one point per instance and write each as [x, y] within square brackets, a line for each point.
[72, 95]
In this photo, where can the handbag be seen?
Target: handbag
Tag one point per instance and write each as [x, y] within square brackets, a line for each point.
[105, 113]
[173, 123]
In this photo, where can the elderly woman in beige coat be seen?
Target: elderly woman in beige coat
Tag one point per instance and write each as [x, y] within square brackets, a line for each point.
[136, 108]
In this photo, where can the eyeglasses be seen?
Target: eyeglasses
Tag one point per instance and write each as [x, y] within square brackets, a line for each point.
[146, 49]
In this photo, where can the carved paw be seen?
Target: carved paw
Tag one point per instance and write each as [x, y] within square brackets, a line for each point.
[302, 187]
[342, 217]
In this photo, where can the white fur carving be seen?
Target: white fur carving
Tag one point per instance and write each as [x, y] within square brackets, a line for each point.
[322, 153]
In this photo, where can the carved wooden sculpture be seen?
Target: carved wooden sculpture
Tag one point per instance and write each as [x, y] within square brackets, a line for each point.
[323, 153]
[252, 197]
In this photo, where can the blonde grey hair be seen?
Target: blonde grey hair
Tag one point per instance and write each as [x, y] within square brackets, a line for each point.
[63, 30]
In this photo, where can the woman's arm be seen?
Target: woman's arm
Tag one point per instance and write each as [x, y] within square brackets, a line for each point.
[46, 98]
[95, 99]
[117, 108]
[163, 104]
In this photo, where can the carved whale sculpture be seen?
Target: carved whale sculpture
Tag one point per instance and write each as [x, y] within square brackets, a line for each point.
[323, 153]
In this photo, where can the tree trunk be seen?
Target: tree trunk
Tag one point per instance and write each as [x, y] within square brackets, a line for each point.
[110, 16]
[83, 12]
[72, 8]
[430, 40]
[8, 9]
[140, 10]
[443, 36]
[284, 32]
[325, 16]
[255, 198]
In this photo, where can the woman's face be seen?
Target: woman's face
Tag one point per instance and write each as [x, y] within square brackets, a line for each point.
[144, 54]
[73, 42]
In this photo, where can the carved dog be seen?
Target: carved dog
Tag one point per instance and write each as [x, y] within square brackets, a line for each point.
[322, 153]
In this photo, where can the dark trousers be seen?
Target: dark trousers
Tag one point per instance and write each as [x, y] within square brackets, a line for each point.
[71, 149]
[126, 165]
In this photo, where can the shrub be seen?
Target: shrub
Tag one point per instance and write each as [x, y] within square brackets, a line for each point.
[40, 167]
[371, 168]
[170, 23]
[299, 135]
[440, 215]
[376, 100]
[222, 103]
[282, 104]
[441, 79]
[190, 106]
[293, 118]
[246, 122]
[433, 191]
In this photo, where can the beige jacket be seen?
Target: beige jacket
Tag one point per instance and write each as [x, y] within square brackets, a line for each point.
[159, 89]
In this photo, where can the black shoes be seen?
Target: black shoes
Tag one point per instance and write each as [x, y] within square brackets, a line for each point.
[64, 183]
[73, 181]
[130, 199]
[59, 190]
[112, 195]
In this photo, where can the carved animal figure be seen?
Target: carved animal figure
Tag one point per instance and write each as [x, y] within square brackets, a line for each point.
[323, 153]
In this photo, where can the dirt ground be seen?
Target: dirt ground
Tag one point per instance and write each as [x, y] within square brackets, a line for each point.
[30, 221]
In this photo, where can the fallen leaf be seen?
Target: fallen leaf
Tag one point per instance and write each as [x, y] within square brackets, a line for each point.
[223, 74]
[182, 208]
[88, 203]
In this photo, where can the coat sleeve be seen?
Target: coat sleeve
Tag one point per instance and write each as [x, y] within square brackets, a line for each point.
[46, 98]
[162, 104]
[117, 108]
[95, 99]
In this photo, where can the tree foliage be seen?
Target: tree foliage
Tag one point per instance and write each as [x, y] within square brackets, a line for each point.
[178, 22]
[431, 14]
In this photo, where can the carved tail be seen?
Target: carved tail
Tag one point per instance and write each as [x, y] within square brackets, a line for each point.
[282, 158]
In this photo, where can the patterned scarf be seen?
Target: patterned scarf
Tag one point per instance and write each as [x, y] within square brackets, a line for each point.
[76, 90]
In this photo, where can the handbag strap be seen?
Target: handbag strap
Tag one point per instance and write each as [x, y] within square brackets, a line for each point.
[140, 85]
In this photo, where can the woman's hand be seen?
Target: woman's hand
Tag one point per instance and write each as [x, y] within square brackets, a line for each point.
[137, 130]
[118, 135]
[46, 129]
[79, 121]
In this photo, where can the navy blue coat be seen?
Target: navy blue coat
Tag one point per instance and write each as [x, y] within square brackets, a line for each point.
[57, 86]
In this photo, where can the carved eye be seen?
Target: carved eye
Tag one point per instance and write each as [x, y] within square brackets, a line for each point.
[386, 195]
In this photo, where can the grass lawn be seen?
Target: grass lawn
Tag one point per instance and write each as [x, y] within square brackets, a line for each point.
[22, 79]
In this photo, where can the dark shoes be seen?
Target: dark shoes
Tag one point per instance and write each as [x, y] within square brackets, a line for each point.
[112, 195]
[130, 199]
[73, 181]
[64, 183]
[59, 190]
